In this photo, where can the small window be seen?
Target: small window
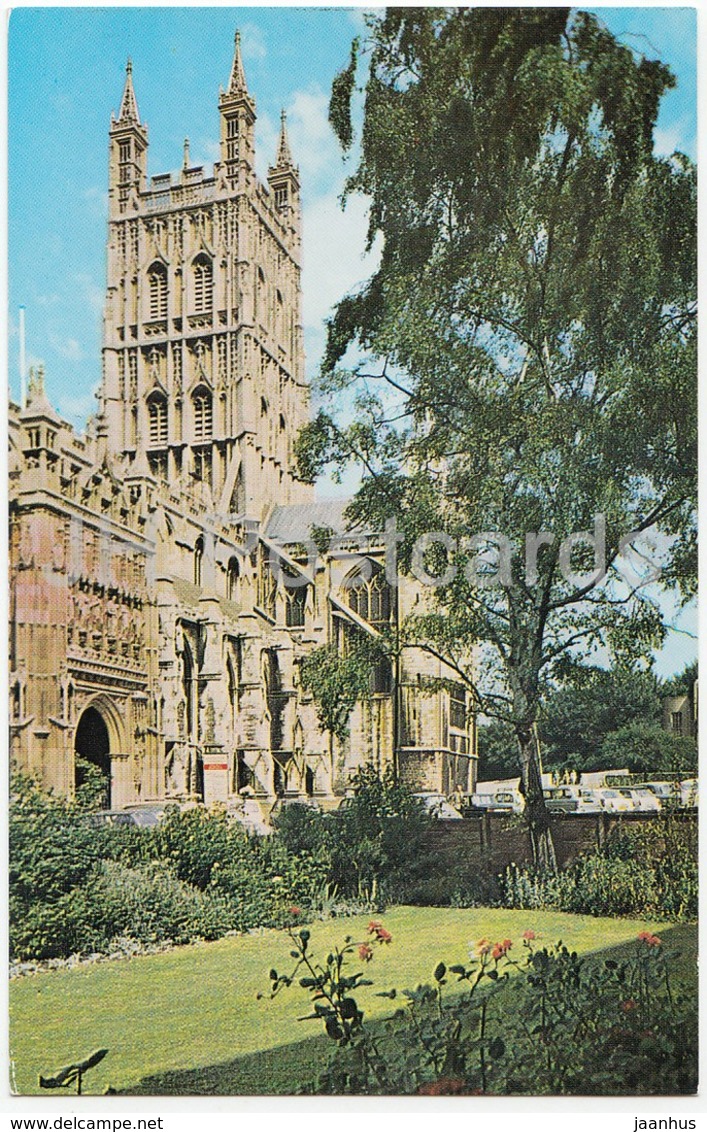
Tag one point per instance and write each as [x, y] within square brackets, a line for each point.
[198, 560]
[157, 283]
[457, 708]
[295, 605]
[232, 578]
[203, 415]
[676, 718]
[203, 285]
[157, 410]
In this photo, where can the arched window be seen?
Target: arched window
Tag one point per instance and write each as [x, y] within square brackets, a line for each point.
[203, 416]
[232, 576]
[203, 285]
[198, 560]
[295, 603]
[157, 409]
[369, 597]
[157, 285]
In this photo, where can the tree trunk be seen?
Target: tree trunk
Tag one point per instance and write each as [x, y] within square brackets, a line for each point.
[535, 810]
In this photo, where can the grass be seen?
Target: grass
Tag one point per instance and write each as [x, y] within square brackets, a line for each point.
[189, 1021]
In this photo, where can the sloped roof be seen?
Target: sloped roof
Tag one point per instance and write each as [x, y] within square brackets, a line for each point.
[294, 522]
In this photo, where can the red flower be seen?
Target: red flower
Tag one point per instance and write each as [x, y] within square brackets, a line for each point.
[650, 939]
[365, 952]
[628, 1005]
[294, 910]
[443, 1087]
[501, 949]
[382, 934]
[529, 935]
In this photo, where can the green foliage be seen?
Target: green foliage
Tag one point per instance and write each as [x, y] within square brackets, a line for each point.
[646, 869]
[534, 315]
[337, 683]
[377, 838]
[52, 847]
[565, 1025]
[374, 845]
[92, 786]
[193, 842]
[498, 751]
[340, 103]
[590, 706]
[682, 684]
[646, 748]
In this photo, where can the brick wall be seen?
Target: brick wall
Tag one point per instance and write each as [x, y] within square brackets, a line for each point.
[487, 842]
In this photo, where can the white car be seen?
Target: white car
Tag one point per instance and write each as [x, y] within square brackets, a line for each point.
[616, 801]
[689, 795]
[667, 793]
[644, 800]
[572, 799]
[500, 801]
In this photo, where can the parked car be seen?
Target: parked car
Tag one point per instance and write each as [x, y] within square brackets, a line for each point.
[147, 817]
[667, 793]
[643, 800]
[572, 799]
[439, 806]
[615, 801]
[499, 801]
[689, 795]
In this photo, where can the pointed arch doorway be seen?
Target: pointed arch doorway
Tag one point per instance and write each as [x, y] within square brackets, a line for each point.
[97, 738]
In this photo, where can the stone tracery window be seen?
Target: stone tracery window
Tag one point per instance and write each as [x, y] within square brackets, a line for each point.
[203, 285]
[369, 597]
[232, 578]
[295, 604]
[157, 410]
[203, 413]
[157, 285]
[198, 560]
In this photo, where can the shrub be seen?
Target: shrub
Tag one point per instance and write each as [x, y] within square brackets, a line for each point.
[263, 882]
[147, 904]
[377, 838]
[302, 829]
[53, 848]
[648, 869]
[194, 841]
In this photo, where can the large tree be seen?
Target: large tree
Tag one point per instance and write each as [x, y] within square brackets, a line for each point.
[525, 351]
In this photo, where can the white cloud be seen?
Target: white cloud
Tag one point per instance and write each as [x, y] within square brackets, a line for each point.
[668, 139]
[97, 200]
[69, 348]
[252, 42]
[76, 405]
[90, 291]
[334, 260]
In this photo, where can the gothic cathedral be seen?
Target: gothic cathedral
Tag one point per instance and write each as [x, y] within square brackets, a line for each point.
[165, 584]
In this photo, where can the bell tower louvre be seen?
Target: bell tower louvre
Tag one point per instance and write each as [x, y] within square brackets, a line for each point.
[203, 364]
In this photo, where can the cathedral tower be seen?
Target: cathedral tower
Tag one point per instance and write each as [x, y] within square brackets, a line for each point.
[203, 367]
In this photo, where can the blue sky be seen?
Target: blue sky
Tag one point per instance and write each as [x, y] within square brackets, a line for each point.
[66, 72]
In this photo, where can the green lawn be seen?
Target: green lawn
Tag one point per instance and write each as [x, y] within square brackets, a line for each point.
[190, 1017]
